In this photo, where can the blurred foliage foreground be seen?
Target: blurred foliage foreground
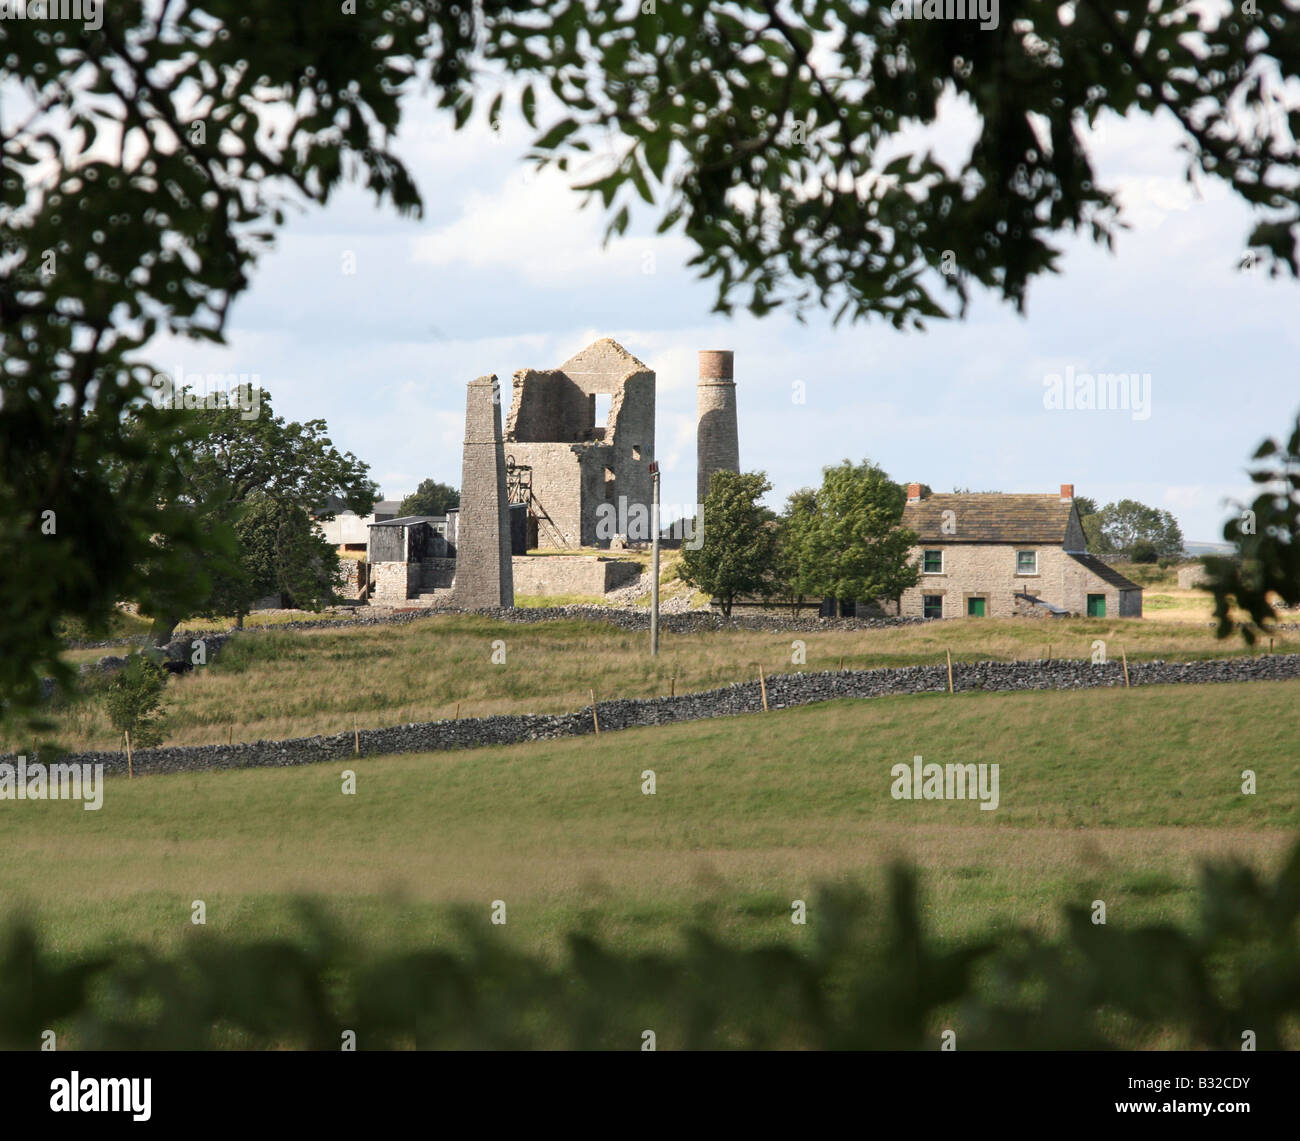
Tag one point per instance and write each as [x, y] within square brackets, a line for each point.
[869, 978]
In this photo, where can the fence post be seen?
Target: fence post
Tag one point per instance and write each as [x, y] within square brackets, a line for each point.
[594, 719]
[949, 654]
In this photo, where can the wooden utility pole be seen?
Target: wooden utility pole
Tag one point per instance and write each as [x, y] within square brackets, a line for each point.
[594, 719]
[1123, 657]
[654, 560]
[762, 685]
[130, 771]
[949, 653]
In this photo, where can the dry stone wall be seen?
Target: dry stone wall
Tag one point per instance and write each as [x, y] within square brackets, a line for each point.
[784, 691]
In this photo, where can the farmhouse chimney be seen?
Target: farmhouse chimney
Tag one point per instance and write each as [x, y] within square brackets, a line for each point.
[913, 492]
[716, 438]
[1067, 492]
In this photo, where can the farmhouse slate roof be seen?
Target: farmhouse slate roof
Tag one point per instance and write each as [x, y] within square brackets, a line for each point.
[990, 518]
[1103, 571]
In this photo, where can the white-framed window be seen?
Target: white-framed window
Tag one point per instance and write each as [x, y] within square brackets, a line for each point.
[932, 562]
[1026, 562]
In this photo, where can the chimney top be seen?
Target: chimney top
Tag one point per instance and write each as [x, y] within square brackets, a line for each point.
[717, 364]
[913, 492]
[1067, 492]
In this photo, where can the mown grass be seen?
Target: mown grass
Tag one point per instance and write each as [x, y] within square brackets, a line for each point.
[273, 684]
[1110, 794]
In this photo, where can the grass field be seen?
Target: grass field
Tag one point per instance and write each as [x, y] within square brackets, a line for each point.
[273, 684]
[1108, 794]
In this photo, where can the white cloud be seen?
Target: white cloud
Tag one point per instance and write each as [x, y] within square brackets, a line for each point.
[533, 225]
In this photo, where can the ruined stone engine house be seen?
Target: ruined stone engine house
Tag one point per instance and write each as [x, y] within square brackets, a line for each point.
[567, 468]
[573, 462]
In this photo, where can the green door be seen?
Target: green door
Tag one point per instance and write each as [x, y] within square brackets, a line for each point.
[1096, 606]
[975, 607]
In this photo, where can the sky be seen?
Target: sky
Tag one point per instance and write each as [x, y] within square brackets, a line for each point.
[506, 270]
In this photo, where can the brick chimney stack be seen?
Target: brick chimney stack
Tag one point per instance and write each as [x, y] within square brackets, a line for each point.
[716, 440]
[1067, 492]
[913, 492]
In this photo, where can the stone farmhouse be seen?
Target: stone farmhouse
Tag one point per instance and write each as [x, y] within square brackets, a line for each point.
[998, 555]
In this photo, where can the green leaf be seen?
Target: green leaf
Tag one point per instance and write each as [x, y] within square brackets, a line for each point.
[556, 135]
[618, 225]
[639, 180]
[463, 110]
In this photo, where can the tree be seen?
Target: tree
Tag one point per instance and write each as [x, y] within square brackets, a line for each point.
[1266, 534]
[171, 140]
[282, 552]
[793, 106]
[134, 700]
[1126, 523]
[738, 549]
[214, 128]
[1144, 551]
[791, 539]
[847, 537]
[281, 470]
[1090, 519]
[431, 498]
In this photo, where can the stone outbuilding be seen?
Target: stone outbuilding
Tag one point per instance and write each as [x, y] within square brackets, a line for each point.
[409, 558]
[999, 555]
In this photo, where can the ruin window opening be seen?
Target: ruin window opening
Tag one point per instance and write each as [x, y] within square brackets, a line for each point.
[602, 402]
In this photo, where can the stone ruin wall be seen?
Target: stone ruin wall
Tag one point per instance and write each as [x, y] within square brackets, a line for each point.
[576, 574]
[577, 465]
